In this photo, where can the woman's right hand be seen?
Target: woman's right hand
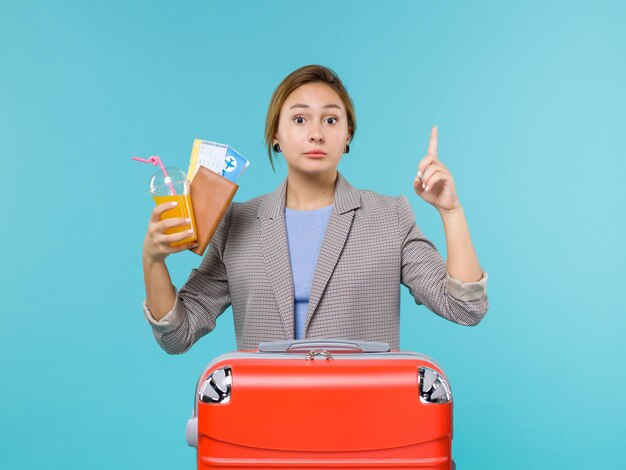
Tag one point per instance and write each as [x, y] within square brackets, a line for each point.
[156, 245]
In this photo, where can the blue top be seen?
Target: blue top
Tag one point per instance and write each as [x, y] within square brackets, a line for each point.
[305, 234]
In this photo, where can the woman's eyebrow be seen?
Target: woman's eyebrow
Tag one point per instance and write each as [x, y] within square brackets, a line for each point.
[307, 106]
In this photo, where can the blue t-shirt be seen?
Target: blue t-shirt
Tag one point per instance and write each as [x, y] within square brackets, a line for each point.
[305, 234]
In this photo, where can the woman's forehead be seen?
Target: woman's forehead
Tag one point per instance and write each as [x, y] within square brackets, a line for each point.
[313, 95]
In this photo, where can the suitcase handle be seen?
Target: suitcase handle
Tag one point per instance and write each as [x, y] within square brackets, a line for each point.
[334, 345]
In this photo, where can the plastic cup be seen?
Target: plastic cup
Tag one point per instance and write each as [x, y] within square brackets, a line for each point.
[161, 192]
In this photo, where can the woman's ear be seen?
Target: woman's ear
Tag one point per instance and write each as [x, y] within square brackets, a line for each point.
[276, 145]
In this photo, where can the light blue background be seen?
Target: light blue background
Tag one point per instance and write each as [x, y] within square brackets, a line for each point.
[529, 99]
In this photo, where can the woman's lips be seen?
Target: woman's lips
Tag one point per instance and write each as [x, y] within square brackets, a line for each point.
[315, 153]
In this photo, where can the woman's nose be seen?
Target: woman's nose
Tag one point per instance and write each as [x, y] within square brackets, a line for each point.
[316, 134]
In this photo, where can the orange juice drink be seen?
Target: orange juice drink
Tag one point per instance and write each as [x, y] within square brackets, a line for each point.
[184, 210]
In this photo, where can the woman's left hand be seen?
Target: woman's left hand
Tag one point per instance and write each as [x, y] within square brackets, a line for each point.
[434, 183]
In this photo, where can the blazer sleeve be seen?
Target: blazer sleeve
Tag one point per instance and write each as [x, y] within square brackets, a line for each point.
[424, 273]
[203, 298]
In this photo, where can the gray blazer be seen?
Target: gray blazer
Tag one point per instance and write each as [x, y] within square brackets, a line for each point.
[371, 246]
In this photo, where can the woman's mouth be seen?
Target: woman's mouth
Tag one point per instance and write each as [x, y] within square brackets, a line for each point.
[315, 153]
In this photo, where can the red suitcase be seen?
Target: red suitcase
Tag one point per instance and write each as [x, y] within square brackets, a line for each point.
[313, 404]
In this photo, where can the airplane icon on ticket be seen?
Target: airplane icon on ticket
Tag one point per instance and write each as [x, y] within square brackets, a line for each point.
[231, 164]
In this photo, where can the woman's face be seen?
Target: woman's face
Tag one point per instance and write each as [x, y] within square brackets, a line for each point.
[313, 129]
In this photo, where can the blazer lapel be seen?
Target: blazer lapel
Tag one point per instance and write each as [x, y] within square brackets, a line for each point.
[276, 254]
[347, 199]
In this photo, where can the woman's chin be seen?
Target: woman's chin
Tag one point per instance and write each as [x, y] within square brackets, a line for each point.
[314, 170]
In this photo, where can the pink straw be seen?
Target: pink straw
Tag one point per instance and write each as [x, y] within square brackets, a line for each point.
[157, 161]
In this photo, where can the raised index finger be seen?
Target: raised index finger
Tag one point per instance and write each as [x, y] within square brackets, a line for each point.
[432, 145]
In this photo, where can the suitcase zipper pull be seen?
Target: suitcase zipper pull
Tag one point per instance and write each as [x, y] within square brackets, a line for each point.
[318, 352]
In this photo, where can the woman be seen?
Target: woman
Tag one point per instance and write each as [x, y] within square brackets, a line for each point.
[316, 258]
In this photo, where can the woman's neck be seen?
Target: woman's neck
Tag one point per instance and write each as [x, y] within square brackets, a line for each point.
[310, 192]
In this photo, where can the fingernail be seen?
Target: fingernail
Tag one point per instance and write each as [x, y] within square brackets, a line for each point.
[423, 186]
[173, 203]
[419, 174]
[427, 188]
[188, 220]
[190, 231]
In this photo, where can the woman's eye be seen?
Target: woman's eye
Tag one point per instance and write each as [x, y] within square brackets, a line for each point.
[331, 120]
[299, 119]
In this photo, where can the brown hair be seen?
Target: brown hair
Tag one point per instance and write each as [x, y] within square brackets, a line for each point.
[297, 78]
